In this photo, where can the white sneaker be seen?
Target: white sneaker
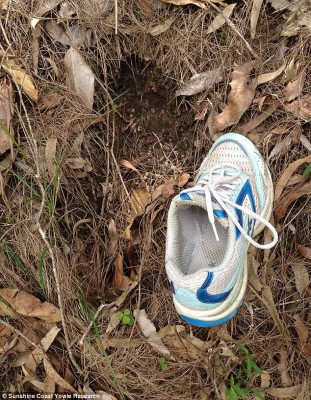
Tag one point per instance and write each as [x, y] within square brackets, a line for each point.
[210, 227]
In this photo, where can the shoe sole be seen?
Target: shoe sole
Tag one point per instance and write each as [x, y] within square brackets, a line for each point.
[229, 308]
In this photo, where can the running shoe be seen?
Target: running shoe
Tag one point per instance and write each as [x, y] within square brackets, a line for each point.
[210, 227]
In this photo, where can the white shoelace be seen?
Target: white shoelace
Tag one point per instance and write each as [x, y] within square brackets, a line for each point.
[220, 184]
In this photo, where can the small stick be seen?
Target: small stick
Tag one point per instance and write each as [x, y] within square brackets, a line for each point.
[116, 16]
[91, 323]
[233, 27]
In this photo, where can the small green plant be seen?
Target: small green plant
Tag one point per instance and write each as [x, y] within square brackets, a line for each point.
[162, 363]
[126, 317]
[307, 171]
[239, 387]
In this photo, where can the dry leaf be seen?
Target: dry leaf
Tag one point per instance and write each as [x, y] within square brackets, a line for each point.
[50, 155]
[199, 3]
[285, 177]
[294, 88]
[301, 108]
[305, 141]
[49, 101]
[66, 10]
[49, 369]
[302, 330]
[269, 76]
[161, 28]
[167, 188]
[265, 380]
[29, 306]
[74, 36]
[149, 331]
[6, 112]
[255, 15]
[239, 99]
[21, 78]
[36, 356]
[80, 77]
[199, 82]
[280, 4]
[300, 17]
[113, 238]
[268, 300]
[281, 148]
[5, 338]
[256, 121]
[284, 393]
[294, 194]
[46, 6]
[305, 252]
[302, 278]
[220, 20]
[171, 330]
[120, 281]
[129, 165]
[283, 368]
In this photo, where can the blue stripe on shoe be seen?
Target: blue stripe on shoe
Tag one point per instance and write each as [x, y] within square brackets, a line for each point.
[184, 196]
[206, 297]
[220, 213]
[245, 191]
[208, 324]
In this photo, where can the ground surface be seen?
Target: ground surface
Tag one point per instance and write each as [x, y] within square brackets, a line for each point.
[94, 143]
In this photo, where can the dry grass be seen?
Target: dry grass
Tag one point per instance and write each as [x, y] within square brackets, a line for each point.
[78, 210]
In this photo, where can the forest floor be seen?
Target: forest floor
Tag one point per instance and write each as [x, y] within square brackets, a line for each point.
[107, 109]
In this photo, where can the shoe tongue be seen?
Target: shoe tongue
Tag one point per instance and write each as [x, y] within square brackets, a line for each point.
[199, 200]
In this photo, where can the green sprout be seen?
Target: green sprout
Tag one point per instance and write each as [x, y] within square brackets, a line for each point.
[162, 362]
[239, 387]
[126, 317]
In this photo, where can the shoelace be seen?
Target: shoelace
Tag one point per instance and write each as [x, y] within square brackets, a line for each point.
[219, 184]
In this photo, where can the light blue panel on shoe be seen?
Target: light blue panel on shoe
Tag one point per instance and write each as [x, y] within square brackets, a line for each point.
[190, 300]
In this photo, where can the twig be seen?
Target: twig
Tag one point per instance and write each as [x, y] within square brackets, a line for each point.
[91, 322]
[233, 27]
[116, 16]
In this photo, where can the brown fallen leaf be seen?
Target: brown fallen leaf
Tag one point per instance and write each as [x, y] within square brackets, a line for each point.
[74, 36]
[21, 78]
[302, 330]
[305, 251]
[302, 190]
[49, 101]
[83, 124]
[120, 281]
[283, 368]
[113, 238]
[294, 88]
[199, 82]
[49, 369]
[37, 355]
[45, 6]
[80, 77]
[50, 155]
[167, 189]
[6, 112]
[301, 274]
[129, 165]
[140, 198]
[28, 306]
[269, 76]
[284, 393]
[199, 3]
[254, 16]
[5, 338]
[149, 331]
[281, 148]
[161, 28]
[220, 19]
[256, 121]
[285, 177]
[301, 108]
[239, 99]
